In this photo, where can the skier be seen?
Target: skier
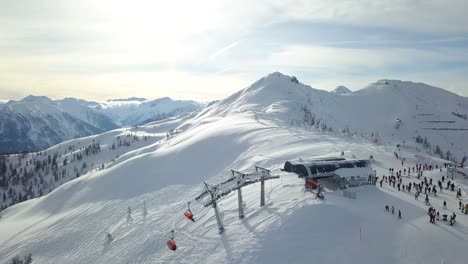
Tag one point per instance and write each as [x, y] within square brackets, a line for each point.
[445, 204]
[416, 195]
[452, 219]
[109, 237]
[399, 214]
[387, 208]
[393, 210]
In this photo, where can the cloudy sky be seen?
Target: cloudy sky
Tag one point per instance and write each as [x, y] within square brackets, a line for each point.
[203, 50]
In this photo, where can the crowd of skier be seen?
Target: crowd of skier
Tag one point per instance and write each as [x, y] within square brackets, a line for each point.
[425, 185]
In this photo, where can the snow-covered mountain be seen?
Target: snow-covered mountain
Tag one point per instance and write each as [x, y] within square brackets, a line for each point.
[274, 120]
[138, 111]
[385, 111]
[131, 99]
[77, 108]
[341, 90]
[37, 122]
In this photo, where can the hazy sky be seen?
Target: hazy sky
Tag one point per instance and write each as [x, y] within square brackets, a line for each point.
[99, 49]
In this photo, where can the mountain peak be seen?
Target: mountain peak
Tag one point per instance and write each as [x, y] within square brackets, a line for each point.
[274, 79]
[280, 76]
[163, 99]
[341, 90]
[33, 98]
[139, 99]
[276, 74]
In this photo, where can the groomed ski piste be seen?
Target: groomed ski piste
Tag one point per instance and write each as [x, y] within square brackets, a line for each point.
[70, 224]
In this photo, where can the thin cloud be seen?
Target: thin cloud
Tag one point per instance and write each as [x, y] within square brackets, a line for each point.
[224, 50]
[342, 59]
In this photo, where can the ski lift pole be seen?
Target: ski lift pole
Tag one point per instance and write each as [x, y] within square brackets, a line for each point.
[215, 207]
[262, 192]
[262, 184]
[240, 202]
[218, 218]
[240, 176]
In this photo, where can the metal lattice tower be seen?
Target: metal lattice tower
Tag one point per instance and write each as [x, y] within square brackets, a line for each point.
[213, 193]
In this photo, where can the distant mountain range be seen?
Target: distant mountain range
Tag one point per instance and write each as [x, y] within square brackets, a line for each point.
[386, 110]
[37, 122]
[138, 111]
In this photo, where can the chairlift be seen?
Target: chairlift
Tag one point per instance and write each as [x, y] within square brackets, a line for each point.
[189, 213]
[171, 243]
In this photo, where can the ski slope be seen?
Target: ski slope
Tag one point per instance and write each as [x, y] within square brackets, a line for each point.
[250, 128]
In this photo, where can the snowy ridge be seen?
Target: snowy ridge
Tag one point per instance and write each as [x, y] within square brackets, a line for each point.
[251, 127]
[341, 90]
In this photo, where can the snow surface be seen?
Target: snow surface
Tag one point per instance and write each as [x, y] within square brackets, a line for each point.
[250, 128]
